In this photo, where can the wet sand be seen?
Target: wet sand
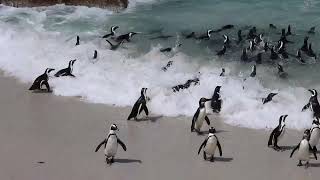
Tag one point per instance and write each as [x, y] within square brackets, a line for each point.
[48, 137]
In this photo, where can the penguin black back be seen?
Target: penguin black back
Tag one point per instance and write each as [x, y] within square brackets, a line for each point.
[140, 105]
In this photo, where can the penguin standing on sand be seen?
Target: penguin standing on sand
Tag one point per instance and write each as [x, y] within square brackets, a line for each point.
[277, 133]
[216, 100]
[315, 134]
[209, 145]
[111, 144]
[313, 103]
[304, 148]
[126, 37]
[312, 30]
[200, 116]
[140, 105]
[78, 41]
[67, 71]
[268, 98]
[112, 32]
[42, 80]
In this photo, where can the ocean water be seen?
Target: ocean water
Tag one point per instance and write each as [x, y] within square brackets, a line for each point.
[33, 39]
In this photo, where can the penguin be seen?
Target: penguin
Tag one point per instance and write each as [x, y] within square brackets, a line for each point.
[206, 36]
[252, 33]
[277, 133]
[273, 54]
[244, 56]
[312, 30]
[67, 71]
[268, 98]
[259, 58]
[251, 46]
[209, 145]
[42, 80]
[165, 68]
[112, 32]
[304, 47]
[283, 37]
[289, 30]
[266, 47]
[191, 35]
[111, 144]
[140, 105]
[226, 40]
[304, 148]
[169, 49]
[299, 57]
[272, 26]
[114, 47]
[310, 52]
[216, 100]
[281, 72]
[313, 103]
[222, 51]
[78, 41]
[254, 71]
[126, 37]
[239, 37]
[95, 54]
[222, 72]
[282, 50]
[200, 116]
[315, 134]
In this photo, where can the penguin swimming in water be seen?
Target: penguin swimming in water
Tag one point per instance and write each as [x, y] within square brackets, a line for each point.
[244, 56]
[222, 72]
[140, 105]
[299, 57]
[169, 49]
[111, 144]
[42, 80]
[209, 145]
[268, 98]
[95, 54]
[206, 36]
[191, 35]
[304, 47]
[313, 103]
[165, 68]
[114, 47]
[281, 72]
[200, 116]
[254, 71]
[277, 133]
[78, 41]
[315, 134]
[112, 32]
[304, 148]
[312, 30]
[222, 51]
[272, 26]
[126, 37]
[67, 71]
[216, 100]
[310, 52]
[273, 54]
[226, 40]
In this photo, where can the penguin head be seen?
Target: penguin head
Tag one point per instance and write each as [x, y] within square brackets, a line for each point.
[114, 28]
[313, 92]
[223, 70]
[282, 119]
[306, 134]
[261, 37]
[280, 68]
[144, 92]
[202, 101]
[212, 130]
[209, 32]
[132, 34]
[114, 127]
[226, 38]
[71, 62]
[48, 70]
[217, 89]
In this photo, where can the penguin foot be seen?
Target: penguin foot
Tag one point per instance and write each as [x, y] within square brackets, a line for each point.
[112, 160]
[212, 159]
[299, 164]
[277, 148]
[204, 156]
[306, 165]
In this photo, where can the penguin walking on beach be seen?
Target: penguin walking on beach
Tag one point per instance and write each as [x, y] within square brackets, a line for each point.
[216, 100]
[78, 41]
[67, 71]
[277, 133]
[268, 98]
[313, 103]
[200, 116]
[304, 149]
[42, 80]
[112, 32]
[315, 134]
[140, 105]
[312, 30]
[111, 144]
[209, 145]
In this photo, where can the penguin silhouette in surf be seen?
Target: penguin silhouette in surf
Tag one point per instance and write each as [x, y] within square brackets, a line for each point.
[140, 105]
[42, 80]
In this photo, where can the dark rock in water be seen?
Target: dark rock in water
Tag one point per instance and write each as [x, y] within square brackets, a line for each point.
[89, 3]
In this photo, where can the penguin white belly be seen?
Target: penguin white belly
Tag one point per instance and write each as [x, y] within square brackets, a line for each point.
[315, 136]
[303, 152]
[281, 134]
[111, 147]
[211, 146]
[199, 121]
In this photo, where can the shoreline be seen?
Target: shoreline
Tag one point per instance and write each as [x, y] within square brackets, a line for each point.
[62, 132]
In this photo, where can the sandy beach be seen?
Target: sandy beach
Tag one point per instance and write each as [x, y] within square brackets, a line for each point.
[63, 132]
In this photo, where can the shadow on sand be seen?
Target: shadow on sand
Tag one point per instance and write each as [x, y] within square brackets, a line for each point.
[151, 119]
[127, 161]
[223, 159]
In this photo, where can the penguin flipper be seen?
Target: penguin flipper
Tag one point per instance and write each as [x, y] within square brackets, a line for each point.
[134, 111]
[59, 73]
[219, 146]
[194, 119]
[313, 151]
[109, 43]
[294, 150]
[271, 137]
[98, 147]
[106, 36]
[122, 144]
[145, 108]
[306, 106]
[202, 145]
[207, 120]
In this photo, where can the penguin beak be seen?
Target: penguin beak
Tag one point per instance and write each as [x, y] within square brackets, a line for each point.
[50, 70]
[284, 117]
[310, 91]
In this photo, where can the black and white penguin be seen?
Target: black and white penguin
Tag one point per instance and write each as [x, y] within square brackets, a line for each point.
[273, 54]
[140, 105]
[222, 51]
[126, 37]
[42, 80]
[312, 30]
[226, 40]
[209, 145]
[252, 33]
[252, 46]
[277, 133]
[244, 56]
[200, 116]
[283, 37]
[304, 47]
[114, 47]
[310, 52]
[289, 30]
[254, 71]
[95, 54]
[222, 72]
[78, 41]
[169, 49]
[313, 103]
[315, 134]
[266, 46]
[216, 100]
[304, 149]
[165, 68]
[206, 36]
[299, 57]
[111, 144]
[281, 72]
[268, 98]
[67, 71]
[112, 32]
[239, 37]
[259, 58]
[272, 26]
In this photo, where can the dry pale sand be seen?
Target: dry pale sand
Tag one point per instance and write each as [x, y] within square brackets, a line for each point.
[63, 133]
